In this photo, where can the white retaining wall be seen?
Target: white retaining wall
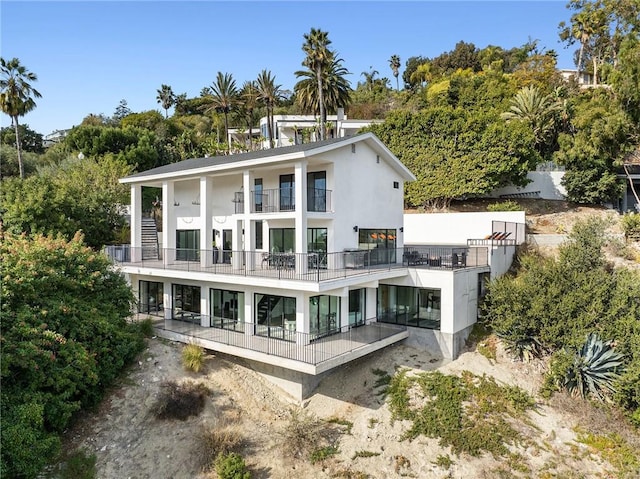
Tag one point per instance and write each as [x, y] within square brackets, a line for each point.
[547, 183]
[454, 228]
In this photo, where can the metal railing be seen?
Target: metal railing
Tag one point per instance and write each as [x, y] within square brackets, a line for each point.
[309, 348]
[315, 266]
[282, 200]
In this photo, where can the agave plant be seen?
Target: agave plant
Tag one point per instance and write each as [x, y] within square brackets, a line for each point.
[525, 349]
[594, 370]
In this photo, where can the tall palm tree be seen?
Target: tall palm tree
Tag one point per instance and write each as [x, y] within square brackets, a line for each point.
[166, 98]
[17, 96]
[538, 110]
[316, 47]
[224, 99]
[336, 89]
[249, 96]
[369, 77]
[394, 63]
[269, 94]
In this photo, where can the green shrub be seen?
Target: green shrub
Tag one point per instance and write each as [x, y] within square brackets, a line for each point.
[508, 205]
[79, 465]
[146, 327]
[180, 401]
[192, 357]
[358, 454]
[302, 432]
[444, 461]
[231, 466]
[323, 453]
[631, 224]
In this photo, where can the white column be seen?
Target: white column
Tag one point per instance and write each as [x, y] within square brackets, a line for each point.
[168, 221]
[206, 221]
[371, 304]
[302, 318]
[204, 304]
[167, 298]
[249, 246]
[248, 313]
[300, 183]
[136, 222]
[344, 308]
[236, 246]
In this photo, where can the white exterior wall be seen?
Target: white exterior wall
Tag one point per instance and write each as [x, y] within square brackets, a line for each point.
[547, 183]
[453, 228]
[363, 195]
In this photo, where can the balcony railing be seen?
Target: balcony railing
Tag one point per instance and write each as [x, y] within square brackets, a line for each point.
[282, 200]
[309, 348]
[316, 266]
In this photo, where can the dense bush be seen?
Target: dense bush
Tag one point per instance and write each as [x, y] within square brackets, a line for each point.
[180, 401]
[65, 338]
[231, 466]
[560, 301]
[193, 357]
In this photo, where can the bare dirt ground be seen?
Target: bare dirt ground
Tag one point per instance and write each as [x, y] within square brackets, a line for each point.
[129, 442]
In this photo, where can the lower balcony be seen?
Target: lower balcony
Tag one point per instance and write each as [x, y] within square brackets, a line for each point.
[314, 266]
[304, 352]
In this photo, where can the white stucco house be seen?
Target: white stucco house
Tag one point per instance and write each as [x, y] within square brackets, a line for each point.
[297, 129]
[296, 259]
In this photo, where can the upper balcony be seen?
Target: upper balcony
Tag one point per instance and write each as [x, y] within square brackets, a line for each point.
[283, 200]
[312, 267]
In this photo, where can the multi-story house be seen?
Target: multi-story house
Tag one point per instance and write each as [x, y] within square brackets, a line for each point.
[294, 259]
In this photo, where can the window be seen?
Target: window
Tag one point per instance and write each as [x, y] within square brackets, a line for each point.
[317, 240]
[357, 302]
[417, 307]
[282, 240]
[258, 226]
[186, 303]
[188, 245]
[317, 191]
[396, 185]
[324, 315]
[287, 193]
[227, 309]
[257, 192]
[275, 316]
[380, 244]
[150, 297]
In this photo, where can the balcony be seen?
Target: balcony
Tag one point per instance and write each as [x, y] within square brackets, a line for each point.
[283, 200]
[314, 267]
[304, 352]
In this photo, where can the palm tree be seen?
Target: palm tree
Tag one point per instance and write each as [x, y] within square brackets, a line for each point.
[336, 89]
[318, 59]
[394, 63]
[539, 111]
[369, 77]
[268, 93]
[224, 99]
[17, 96]
[249, 96]
[166, 98]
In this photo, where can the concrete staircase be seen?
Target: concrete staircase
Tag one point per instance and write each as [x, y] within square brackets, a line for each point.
[150, 247]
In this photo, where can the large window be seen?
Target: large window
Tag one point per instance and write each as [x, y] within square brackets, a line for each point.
[275, 316]
[227, 309]
[258, 228]
[282, 240]
[317, 191]
[150, 297]
[357, 301]
[417, 307]
[257, 184]
[186, 303]
[287, 193]
[380, 244]
[187, 245]
[324, 314]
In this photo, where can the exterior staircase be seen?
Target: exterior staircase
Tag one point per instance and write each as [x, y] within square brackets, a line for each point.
[150, 247]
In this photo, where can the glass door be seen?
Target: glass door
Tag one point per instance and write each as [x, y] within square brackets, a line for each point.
[357, 299]
[287, 193]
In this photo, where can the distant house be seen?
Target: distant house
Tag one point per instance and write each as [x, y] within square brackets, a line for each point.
[297, 260]
[298, 129]
[630, 174]
[54, 137]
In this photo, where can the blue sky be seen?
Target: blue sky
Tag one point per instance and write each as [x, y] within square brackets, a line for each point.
[89, 55]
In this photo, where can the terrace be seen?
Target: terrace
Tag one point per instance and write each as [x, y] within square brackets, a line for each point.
[314, 266]
[304, 352]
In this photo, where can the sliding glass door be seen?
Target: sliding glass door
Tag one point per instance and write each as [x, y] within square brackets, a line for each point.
[324, 315]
